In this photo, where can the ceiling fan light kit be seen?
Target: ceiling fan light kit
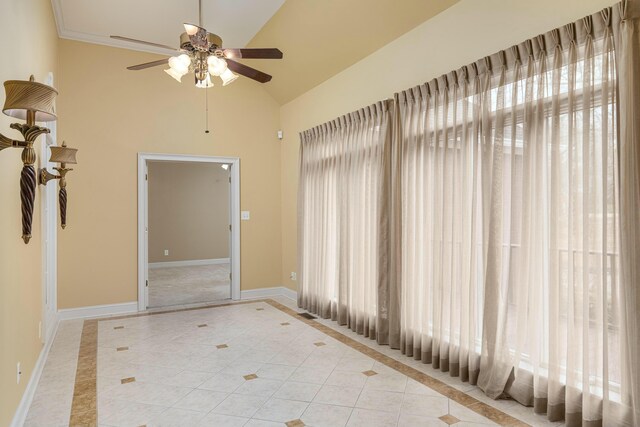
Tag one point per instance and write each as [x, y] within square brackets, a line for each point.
[202, 54]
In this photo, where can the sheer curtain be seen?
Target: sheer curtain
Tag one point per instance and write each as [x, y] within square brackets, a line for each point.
[553, 264]
[441, 268]
[510, 225]
[340, 196]
[503, 210]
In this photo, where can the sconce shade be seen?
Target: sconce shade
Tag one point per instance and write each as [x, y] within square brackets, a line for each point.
[63, 155]
[24, 95]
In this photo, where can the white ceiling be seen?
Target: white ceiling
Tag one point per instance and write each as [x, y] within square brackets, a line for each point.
[236, 21]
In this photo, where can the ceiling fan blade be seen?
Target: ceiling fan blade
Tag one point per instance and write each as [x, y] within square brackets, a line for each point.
[149, 64]
[253, 53]
[246, 71]
[197, 36]
[127, 39]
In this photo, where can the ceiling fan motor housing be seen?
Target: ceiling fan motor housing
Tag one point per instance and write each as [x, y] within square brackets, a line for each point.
[215, 42]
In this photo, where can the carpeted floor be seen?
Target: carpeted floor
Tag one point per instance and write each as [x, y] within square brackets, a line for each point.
[188, 285]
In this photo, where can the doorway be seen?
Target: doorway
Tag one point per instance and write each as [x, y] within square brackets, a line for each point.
[188, 214]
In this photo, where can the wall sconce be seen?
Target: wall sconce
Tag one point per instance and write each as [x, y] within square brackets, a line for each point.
[64, 156]
[33, 102]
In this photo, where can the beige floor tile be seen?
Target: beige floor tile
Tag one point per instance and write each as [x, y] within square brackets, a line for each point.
[425, 406]
[368, 418]
[297, 391]
[223, 382]
[240, 405]
[390, 381]
[388, 401]
[201, 400]
[219, 420]
[310, 375]
[334, 395]
[259, 387]
[173, 417]
[346, 379]
[281, 410]
[407, 420]
[176, 363]
[321, 415]
[275, 372]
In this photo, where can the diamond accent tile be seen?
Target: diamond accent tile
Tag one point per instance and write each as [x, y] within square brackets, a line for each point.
[118, 327]
[319, 344]
[370, 373]
[250, 377]
[295, 423]
[127, 380]
[204, 325]
[122, 348]
[221, 346]
[259, 309]
[449, 419]
[285, 324]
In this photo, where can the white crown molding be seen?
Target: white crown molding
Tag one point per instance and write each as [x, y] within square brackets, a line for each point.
[108, 41]
[20, 416]
[64, 33]
[189, 263]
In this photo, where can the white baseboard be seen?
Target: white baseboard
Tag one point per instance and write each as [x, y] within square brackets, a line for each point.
[27, 397]
[98, 310]
[189, 263]
[290, 293]
[278, 291]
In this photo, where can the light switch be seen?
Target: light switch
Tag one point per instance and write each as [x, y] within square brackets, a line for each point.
[245, 215]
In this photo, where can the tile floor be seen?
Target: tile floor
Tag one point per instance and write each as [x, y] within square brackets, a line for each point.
[243, 365]
[169, 286]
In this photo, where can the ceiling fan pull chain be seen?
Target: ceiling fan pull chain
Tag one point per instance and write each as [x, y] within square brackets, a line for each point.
[200, 13]
[206, 110]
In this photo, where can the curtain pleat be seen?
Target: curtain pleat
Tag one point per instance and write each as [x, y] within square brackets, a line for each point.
[486, 222]
[343, 221]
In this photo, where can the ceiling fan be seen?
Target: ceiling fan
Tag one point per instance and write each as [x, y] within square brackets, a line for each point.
[201, 52]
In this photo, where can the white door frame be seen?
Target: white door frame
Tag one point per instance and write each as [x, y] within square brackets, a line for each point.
[143, 206]
[49, 230]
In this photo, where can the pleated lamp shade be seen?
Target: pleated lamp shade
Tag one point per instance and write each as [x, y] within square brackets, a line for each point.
[63, 155]
[25, 95]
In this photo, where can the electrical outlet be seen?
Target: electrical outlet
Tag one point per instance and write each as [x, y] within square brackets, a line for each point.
[293, 276]
[166, 252]
[245, 215]
[18, 373]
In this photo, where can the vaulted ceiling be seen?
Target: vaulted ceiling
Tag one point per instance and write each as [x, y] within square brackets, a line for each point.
[319, 38]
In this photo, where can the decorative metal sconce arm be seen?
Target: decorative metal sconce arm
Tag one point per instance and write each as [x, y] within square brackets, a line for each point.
[62, 154]
[30, 132]
[10, 143]
[32, 102]
[46, 176]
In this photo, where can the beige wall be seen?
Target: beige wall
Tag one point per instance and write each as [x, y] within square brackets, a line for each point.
[465, 32]
[28, 45]
[188, 211]
[111, 114]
